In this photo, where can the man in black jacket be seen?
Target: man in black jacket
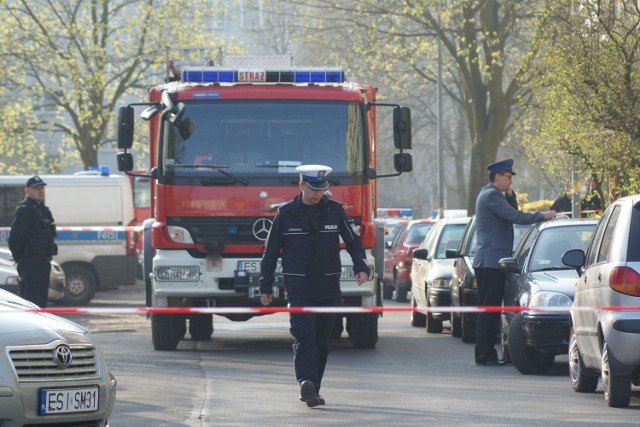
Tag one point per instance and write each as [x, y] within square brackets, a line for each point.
[306, 233]
[31, 243]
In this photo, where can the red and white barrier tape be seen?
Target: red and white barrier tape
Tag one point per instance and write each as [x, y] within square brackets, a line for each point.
[337, 310]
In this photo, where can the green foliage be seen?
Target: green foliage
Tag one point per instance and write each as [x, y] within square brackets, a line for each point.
[587, 90]
[77, 60]
[536, 206]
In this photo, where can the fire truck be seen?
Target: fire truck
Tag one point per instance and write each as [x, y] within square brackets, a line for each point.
[225, 140]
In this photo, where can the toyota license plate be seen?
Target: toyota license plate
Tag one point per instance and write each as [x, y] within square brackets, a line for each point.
[68, 400]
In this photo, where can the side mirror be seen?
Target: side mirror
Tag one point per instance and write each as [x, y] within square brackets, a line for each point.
[402, 128]
[574, 258]
[125, 127]
[510, 265]
[452, 253]
[421, 253]
[125, 162]
[403, 162]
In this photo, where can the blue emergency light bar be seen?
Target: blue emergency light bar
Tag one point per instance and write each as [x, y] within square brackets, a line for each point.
[261, 75]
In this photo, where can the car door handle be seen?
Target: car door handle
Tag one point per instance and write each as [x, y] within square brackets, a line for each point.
[600, 277]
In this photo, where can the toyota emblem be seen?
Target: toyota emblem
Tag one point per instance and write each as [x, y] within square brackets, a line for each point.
[62, 356]
[261, 228]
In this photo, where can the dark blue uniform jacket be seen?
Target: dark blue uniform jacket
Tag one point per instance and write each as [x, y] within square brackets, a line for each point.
[310, 250]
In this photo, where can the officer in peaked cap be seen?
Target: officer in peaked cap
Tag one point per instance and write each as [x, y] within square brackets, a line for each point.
[31, 242]
[306, 232]
[496, 212]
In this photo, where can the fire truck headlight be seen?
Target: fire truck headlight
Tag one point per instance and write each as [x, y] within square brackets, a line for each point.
[179, 234]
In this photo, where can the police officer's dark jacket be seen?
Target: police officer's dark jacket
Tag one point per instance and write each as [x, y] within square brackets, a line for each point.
[32, 231]
[310, 250]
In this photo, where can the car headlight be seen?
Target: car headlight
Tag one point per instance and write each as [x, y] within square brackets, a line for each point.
[549, 299]
[440, 283]
[179, 234]
[12, 281]
[177, 274]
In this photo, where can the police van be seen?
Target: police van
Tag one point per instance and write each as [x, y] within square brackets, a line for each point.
[95, 218]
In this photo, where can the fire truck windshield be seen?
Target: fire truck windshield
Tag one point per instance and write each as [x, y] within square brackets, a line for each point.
[266, 137]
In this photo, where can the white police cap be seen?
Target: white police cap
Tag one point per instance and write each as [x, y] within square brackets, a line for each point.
[315, 176]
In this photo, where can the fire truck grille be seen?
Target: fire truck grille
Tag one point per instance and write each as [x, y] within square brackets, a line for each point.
[234, 231]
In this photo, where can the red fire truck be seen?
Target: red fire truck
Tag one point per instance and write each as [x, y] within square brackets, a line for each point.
[225, 142]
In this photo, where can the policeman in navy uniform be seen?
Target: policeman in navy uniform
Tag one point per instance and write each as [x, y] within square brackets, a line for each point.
[496, 212]
[31, 243]
[306, 233]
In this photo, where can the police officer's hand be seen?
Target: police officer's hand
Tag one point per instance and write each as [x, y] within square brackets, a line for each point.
[265, 299]
[362, 277]
[549, 214]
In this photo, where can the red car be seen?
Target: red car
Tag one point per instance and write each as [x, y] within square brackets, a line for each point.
[398, 257]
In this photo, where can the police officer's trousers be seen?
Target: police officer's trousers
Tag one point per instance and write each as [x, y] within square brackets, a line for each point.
[311, 333]
[34, 274]
[491, 282]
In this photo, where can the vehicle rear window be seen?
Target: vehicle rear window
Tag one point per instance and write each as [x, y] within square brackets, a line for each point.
[633, 247]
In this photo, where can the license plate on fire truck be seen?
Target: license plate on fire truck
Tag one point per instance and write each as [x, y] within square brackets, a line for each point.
[68, 400]
[253, 266]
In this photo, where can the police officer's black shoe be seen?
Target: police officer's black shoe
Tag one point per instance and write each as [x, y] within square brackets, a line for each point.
[309, 394]
[320, 399]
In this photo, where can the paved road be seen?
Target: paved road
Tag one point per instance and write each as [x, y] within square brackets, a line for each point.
[243, 377]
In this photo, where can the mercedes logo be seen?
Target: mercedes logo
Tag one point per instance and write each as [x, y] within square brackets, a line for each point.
[261, 228]
[62, 356]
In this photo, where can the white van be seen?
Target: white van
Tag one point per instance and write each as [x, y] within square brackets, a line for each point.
[94, 215]
[86, 198]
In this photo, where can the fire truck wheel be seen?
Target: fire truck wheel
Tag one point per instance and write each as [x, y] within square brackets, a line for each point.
[201, 326]
[363, 330]
[81, 285]
[336, 330]
[167, 330]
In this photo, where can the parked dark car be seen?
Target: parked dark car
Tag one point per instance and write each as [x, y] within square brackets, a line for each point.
[431, 272]
[605, 343]
[399, 256]
[464, 287]
[537, 278]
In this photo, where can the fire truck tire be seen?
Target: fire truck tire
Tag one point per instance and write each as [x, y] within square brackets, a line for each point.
[81, 285]
[201, 326]
[338, 327]
[387, 292]
[167, 330]
[363, 330]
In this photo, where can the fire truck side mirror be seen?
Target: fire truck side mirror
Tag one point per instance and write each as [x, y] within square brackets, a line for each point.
[402, 127]
[125, 162]
[403, 162]
[125, 127]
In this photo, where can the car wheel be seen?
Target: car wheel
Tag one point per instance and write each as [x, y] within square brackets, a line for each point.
[434, 326]
[201, 326]
[468, 323]
[617, 388]
[526, 360]
[401, 292]
[503, 348]
[582, 380]
[456, 323]
[418, 319]
[81, 285]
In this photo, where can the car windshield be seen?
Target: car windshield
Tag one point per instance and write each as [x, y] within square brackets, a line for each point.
[449, 239]
[553, 242]
[417, 232]
[265, 137]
